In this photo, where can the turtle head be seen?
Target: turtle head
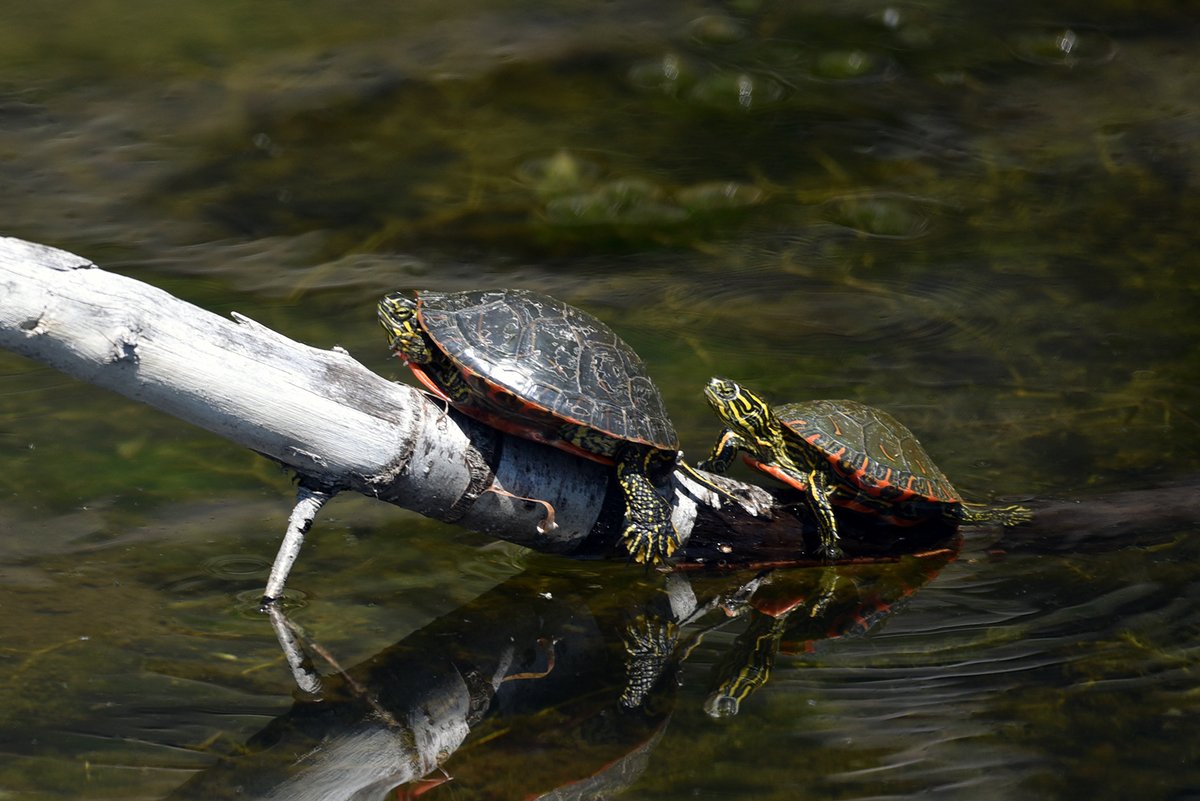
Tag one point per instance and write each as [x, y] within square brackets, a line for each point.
[740, 409]
[398, 316]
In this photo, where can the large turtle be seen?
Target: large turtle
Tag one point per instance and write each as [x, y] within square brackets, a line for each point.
[840, 452]
[531, 365]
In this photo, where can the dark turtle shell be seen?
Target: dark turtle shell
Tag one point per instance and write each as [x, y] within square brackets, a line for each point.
[560, 364]
[871, 452]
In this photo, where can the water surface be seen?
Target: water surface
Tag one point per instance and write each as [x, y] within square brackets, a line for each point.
[979, 219]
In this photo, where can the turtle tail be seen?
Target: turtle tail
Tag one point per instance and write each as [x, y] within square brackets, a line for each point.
[977, 514]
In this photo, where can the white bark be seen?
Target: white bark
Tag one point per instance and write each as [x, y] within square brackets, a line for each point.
[320, 412]
[236, 379]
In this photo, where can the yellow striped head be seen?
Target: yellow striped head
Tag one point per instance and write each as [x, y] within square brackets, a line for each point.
[740, 409]
[398, 316]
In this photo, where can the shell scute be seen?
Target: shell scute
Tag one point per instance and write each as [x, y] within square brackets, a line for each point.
[869, 449]
[551, 356]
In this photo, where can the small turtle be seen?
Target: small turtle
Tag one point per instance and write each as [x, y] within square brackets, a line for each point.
[844, 453]
[536, 367]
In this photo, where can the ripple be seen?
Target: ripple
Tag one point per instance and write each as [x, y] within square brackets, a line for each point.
[1118, 602]
[1107, 642]
[719, 195]
[1062, 47]
[884, 215]
[778, 314]
[847, 65]
[857, 66]
[911, 27]
[236, 566]
[628, 201]
[248, 603]
[669, 74]
[738, 91]
[716, 29]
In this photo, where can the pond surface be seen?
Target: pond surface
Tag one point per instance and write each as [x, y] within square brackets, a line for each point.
[981, 218]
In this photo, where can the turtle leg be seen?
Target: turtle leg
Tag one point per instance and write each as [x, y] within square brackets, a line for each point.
[649, 534]
[818, 496]
[981, 514]
[723, 451]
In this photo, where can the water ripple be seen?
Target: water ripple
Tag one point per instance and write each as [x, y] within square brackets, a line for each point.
[774, 313]
[237, 566]
[1062, 47]
[884, 215]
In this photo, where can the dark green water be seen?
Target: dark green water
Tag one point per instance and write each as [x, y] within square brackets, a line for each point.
[979, 217]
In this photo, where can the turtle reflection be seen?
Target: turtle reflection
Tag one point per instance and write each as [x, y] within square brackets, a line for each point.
[795, 610]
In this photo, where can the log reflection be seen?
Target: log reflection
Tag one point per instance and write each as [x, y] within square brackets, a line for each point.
[546, 686]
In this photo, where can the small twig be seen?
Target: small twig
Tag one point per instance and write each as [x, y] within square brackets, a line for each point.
[308, 503]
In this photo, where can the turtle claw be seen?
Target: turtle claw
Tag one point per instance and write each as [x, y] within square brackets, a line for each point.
[649, 547]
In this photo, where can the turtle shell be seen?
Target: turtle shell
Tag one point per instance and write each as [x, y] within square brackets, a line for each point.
[872, 453]
[542, 363]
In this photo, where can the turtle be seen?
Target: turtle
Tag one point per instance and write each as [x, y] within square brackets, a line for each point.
[533, 366]
[844, 453]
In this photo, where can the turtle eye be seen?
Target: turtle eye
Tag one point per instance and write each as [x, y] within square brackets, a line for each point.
[398, 305]
[725, 390]
[394, 311]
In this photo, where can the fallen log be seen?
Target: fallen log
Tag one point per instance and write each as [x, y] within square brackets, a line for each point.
[339, 426]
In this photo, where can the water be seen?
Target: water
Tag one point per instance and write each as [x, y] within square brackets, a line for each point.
[979, 221]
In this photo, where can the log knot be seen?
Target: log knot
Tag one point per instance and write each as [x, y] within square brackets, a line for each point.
[124, 347]
[33, 326]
